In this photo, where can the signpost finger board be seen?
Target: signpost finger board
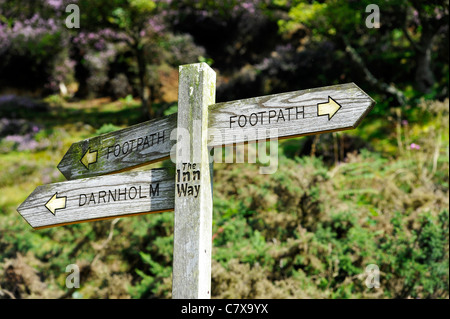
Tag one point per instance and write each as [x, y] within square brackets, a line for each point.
[124, 149]
[291, 114]
[104, 197]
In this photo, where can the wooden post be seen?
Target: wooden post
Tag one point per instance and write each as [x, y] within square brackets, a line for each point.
[193, 186]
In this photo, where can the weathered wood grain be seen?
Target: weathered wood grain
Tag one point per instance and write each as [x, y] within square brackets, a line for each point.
[121, 150]
[193, 194]
[290, 114]
[119, 195]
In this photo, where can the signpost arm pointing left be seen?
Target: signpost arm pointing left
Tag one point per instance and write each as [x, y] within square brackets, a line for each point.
[121, 150]
[103, 197]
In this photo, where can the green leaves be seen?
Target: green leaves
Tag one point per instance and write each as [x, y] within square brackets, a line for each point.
[121, 18]
[143, 6]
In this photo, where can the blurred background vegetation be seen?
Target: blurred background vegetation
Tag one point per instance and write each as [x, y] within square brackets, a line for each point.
[338, 202]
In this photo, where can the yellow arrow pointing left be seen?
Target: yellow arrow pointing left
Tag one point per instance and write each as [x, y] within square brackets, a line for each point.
[55, 203]
[89, 158]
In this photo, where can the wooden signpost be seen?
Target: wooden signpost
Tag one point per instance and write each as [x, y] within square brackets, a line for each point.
[193, 206]
[293, 114]
[124, 149]
[185, 138]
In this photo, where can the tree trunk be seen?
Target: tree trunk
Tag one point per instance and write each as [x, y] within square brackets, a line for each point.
[146, 107]
[424, 77]
[370, 78]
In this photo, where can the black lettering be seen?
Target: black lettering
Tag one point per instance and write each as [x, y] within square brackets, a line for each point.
[155, 192]
[191, 190]
[196, 175]
[239, 120]
[110, 194]
[124, 194]
[91, 199]
[85, 199]
[123, 148]
[153, 138]
[107, 156]
[139, 143]
[289, 112]
[118, 151]
[132, 143]
[101, 194]
[186, 176]
[280, 115]
[262, 121]
[181, 189]
[129, 192]
[250, 119]
[140, 193]
[146, 142]
[298, 112]
[161, 137]
[274, 114]
[231, 120]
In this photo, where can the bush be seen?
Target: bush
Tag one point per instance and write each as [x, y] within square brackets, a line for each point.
[307, 231]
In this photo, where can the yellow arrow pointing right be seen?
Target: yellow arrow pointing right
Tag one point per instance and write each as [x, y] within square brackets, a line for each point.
[329, 108]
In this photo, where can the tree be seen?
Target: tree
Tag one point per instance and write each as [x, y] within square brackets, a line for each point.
[427, 19]
[137, 23]
[404, 42]
[33, 45]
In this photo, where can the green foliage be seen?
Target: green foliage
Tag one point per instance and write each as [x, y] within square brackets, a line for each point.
[307, 231]
[171, 109]
[359, 226]
[129, 11]
[156, 258]
[405, 33]
[337, 203]
[106, 128]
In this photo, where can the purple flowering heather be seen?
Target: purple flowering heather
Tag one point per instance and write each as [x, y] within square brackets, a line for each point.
[23, 142]
[55, 4]
[25, 31]
[20, 101]
[5, 42]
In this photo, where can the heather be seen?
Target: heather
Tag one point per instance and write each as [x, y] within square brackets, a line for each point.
[338, 202]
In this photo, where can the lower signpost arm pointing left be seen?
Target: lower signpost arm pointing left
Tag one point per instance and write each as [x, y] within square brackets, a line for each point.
[103, 197]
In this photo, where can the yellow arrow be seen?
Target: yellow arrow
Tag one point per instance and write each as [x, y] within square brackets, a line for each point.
[55, 203]
[329, 108]
[89, 158]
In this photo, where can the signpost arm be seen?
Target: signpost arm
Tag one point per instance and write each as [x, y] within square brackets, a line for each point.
[193, 186]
